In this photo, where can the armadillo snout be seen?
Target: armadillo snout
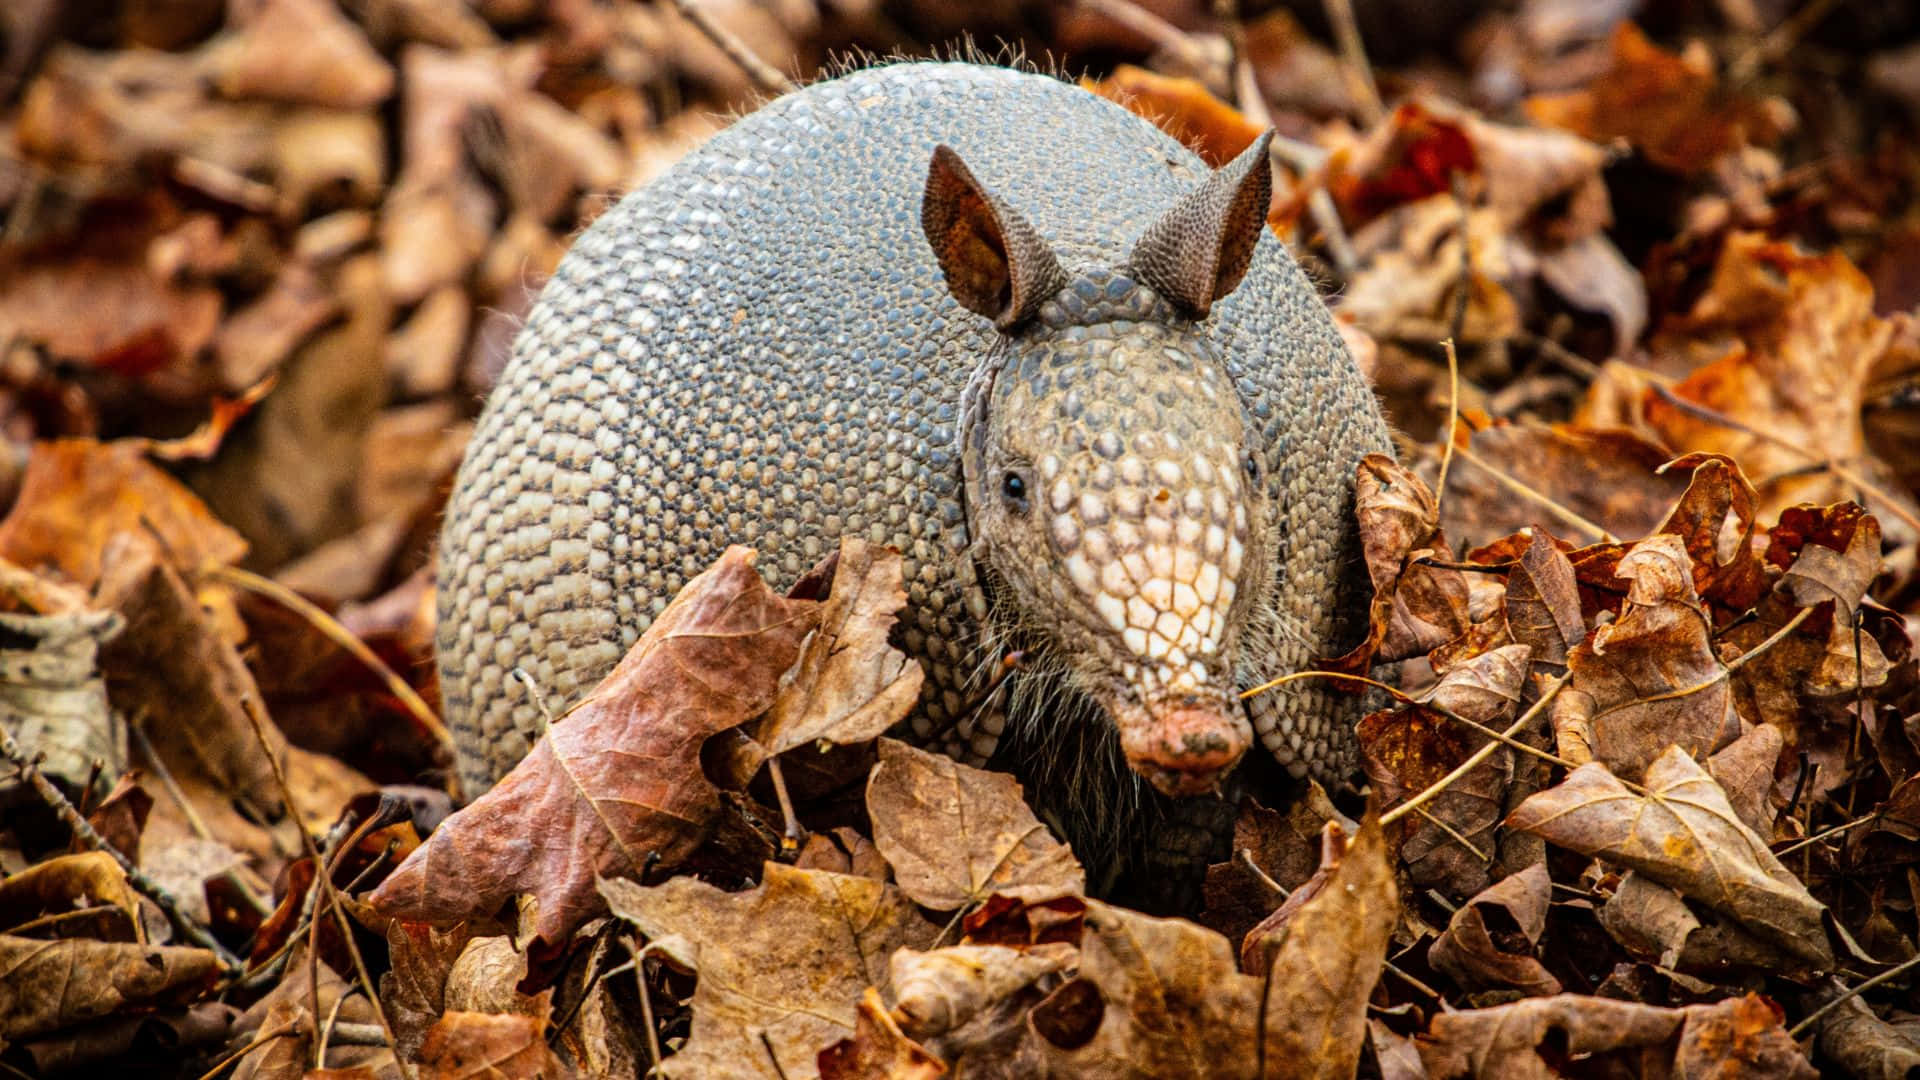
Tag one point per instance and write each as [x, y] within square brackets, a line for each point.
[1184, 748]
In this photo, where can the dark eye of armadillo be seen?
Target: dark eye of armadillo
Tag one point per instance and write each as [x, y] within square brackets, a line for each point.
[1252, 465]
[1014, 487]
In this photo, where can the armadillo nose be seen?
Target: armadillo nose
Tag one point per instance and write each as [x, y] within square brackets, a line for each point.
[1187, 749]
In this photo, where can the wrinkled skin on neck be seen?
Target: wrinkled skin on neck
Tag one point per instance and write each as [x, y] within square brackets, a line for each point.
[1114, 500]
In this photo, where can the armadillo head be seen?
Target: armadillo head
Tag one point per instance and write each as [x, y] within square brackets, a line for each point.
[1114, 487]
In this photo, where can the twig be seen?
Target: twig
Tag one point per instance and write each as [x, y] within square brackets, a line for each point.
[331, 629]
[1817, 837]
[1561, 512]
[1453, 421]
[1473, 761]
[323, 880]
[764, 75]
[793, 834]
[1891, 973]
[84, 830]
[1245, 856]
[1779, 41]
[1442, 710]
[1174, 43]
[1455, 833]
[1354, 65]
[260, 1039]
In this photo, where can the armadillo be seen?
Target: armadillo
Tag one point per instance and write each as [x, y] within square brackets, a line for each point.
[987, 318]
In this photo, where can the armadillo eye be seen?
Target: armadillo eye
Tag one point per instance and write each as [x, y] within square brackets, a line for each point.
[1014, 487]
[1252, 465]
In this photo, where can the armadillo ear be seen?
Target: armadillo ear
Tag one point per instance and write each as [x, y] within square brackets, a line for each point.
[1198, 250]
[994, 262]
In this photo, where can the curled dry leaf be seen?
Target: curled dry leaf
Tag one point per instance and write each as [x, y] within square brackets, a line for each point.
[1491, 940]
[850, 684]
[1183, 108]
[781, 966]
[1650, 679]
[1324, 969]
[1415, 607]
[1682, 833]
[616, 786]
[878, 1050]
[955, 834]
[938, 991]
[1652, 921]
[1735, 1037]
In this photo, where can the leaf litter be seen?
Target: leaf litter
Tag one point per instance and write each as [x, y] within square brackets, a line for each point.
[1642, 799]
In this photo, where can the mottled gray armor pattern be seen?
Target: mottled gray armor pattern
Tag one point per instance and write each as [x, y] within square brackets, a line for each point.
[1151, 499]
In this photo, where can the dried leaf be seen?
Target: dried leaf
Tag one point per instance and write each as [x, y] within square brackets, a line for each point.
[1738, 1036]
[781, 966]
[1650, 679]
[850, 685]
[50, 985]
[1491, 940]
[878, 1050]
[938, 991]
[1415, 607]
[1684, 834]
[615, 786]
[468, 1044]
[955, 834]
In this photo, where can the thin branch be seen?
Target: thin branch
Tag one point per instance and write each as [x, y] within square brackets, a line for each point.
[1891, 973]
[764, 75]
[1453, 420]
[1354, 65]
[1174, 44]
[331, 629]
[323, 880]
[1546, 501]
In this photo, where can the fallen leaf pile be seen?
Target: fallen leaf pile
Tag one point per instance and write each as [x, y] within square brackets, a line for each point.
[1640, 786]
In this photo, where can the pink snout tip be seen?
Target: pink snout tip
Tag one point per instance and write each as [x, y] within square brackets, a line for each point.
[1186, 749]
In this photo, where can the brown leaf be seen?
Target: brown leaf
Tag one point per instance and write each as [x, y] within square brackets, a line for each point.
[877, 1050]
[1325, 967]
[50, 985]
[1670, 107]
[781, 966]
[938, 991]
[615, 786]
[1285, 845]
[1715, 519]
[77, 493]
[54, 696]
[1542, 602]
[302, 51]
[1408, 749]
[1866, 1046]
[1606, 476]
[1154, 997]
[1683, 834]
[956, 834]
[1650, 679]
[850, 686]
[1415, 607]
[1491, 940]
[1735, 1037]
[461, 1045]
